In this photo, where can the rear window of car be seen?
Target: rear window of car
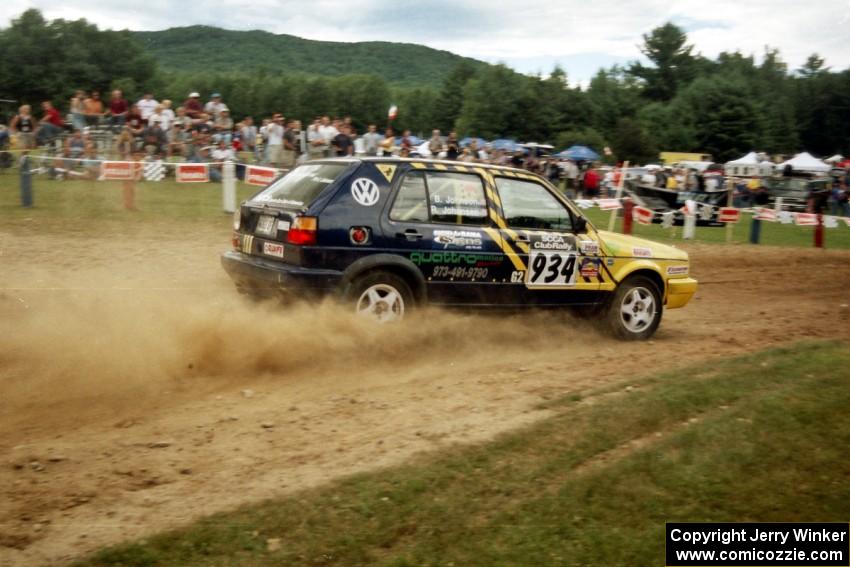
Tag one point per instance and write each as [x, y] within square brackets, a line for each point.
[302, 185]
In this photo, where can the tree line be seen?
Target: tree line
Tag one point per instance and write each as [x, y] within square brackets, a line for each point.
[678, 101]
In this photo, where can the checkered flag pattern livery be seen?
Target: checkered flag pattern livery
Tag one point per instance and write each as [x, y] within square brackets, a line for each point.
[154, 171]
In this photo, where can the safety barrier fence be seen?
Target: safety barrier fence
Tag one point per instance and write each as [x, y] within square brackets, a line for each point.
[157, 170]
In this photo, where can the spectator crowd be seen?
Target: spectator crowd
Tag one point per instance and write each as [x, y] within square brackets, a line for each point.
[197, 131]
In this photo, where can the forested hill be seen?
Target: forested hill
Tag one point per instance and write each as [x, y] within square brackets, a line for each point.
[197, 48]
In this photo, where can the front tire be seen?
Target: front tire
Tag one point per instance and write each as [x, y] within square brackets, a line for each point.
[634, 312]
[381, 296]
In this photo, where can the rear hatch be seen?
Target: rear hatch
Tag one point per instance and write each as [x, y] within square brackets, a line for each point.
[265, 220]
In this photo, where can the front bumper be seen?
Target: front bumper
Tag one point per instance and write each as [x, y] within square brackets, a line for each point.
[680, 291]
[259, 276]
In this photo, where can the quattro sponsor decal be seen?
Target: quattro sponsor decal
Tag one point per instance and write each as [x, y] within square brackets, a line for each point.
[192, 173]
[677, 270]
[456, 258]
[640, 252]
[466, 239]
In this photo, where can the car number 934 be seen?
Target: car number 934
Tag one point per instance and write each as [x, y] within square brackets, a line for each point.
[551, 268]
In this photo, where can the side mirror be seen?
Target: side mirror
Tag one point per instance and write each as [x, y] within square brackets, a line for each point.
[580, 225]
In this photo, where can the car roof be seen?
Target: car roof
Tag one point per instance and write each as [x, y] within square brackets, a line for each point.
[427, 161]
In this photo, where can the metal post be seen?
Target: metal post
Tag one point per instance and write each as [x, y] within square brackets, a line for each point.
[622, 180]
[755, 231]
[628, 207]
[689, 230]
[730, 226]
[819, 232]
[26, 182]
[228, 186]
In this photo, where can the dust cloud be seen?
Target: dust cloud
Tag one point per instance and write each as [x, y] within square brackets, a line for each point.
[79, 353]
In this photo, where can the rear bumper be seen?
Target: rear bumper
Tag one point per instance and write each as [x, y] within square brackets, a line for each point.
[680, 291]
[259, 276]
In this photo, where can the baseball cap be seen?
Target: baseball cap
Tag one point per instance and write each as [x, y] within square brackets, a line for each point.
[216, 95]
[194, 95]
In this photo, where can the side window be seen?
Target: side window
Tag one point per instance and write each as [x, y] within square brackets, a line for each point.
[411, 201]
[530, 205]
[457, 198]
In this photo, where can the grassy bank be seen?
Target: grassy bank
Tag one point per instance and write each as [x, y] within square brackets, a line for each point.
[756, 438]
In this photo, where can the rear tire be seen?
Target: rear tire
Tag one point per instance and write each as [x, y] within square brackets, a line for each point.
[634, 312]
[383, 296]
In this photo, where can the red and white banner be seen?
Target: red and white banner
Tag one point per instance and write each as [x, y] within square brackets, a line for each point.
[805, 219]
[642, 215]
[118, 170]
[728, 214]
[192, 173]
[609, 204]
[765, 214]
[262, 176]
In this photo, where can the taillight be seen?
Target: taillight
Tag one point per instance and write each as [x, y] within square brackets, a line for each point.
[237, 243]
[237, 219]
[303, 231]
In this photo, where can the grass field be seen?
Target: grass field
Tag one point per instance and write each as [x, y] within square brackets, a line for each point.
[757, 438]
[82, 200]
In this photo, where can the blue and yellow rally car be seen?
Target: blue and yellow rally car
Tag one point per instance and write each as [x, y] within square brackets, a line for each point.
[388, 235]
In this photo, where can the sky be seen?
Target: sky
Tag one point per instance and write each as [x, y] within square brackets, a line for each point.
[580, 35]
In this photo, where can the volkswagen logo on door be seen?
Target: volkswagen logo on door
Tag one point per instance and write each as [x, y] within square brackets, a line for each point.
[365, 191]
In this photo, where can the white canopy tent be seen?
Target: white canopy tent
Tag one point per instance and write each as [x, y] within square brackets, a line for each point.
[834, 159]
[806, 162]
[748, 166]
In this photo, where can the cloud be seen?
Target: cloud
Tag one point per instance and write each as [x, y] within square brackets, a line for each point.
[579, 34]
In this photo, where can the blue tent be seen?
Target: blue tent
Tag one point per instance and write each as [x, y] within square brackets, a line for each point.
[478, 141]
[578, 153]
[505, 144]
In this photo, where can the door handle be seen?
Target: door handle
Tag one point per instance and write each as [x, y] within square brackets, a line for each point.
[410, 234]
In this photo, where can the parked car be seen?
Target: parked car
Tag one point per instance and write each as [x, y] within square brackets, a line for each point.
[389, 235]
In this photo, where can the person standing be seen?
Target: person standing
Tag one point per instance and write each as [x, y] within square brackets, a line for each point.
[274, 137]
[249, 136]
[452, 146]
[328, 132]
[193, 106]
[342, 143]
[388, 143]
[93, 109]
[77, 110]
[290, 145]
[435, 144]
[51, 124]
[371, 141]
[23, 125]
[591, 183]
[147, 106]
[118, 110]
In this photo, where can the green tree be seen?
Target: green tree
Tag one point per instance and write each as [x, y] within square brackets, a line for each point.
[44, 60]
[721, 113]
[584, 137]
[673, 64]
[450, 97]
[632, 143]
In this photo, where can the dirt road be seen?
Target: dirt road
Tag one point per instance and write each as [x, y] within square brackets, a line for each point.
[139, 392]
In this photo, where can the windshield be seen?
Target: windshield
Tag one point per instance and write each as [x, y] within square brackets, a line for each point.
[302, 185]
